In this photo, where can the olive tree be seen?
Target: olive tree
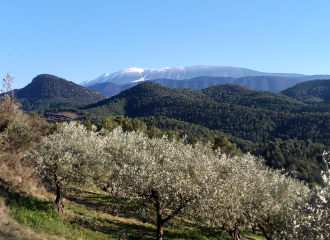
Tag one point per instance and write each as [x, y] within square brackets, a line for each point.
[287, 209]
[173, 176]
[313, 219]
[275, 200]
[177, 178]
[252, 195]
[73, 154]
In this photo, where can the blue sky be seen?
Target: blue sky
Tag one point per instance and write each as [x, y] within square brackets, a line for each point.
[81, 39]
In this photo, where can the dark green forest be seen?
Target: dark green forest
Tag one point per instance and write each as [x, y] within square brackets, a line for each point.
[269, 116]
[48, 91]
[316, 91]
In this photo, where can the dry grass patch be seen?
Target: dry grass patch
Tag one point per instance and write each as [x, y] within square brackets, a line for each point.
[16, 176]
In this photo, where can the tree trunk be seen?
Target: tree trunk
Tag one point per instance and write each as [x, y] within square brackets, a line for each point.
[254, 229]
[264, 232]
[160, 230]
[59, 206]
[160, 223]
[235, 234]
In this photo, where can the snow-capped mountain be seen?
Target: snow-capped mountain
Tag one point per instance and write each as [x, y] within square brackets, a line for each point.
[134, 74]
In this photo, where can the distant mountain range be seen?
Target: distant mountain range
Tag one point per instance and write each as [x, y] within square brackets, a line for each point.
[263, 83]
[196, 77]
[130, 75]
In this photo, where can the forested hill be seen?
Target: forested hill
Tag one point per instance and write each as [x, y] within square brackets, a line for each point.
[237, 94]
[221, 93]
[266, 117]
[316, 91]
[48, 91]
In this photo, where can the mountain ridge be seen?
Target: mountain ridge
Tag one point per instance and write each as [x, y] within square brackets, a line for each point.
[263, 83]
[186, 72]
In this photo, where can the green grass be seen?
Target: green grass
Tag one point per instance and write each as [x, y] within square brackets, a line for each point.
[92, 214]
[247, 234]
[88, 218]
[258, 236]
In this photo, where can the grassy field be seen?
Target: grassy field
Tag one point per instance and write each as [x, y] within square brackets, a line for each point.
[90, 215]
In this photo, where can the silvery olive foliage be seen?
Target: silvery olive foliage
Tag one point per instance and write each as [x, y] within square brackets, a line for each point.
[224, 191]
[73, 154]
[310, 218]
[173, 170]
[173, 176]
[313, 219]
[313, 222]
[250, 194]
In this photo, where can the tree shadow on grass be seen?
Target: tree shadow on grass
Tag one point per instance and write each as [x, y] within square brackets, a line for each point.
[112, 205]
[28, 202]
[122, 230]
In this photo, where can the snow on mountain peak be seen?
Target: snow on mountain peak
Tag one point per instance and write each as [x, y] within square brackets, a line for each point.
[140, 80]
[163, 69]
[133, 69]
[135, 74]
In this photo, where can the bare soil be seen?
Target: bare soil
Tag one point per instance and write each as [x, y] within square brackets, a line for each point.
[62, 116]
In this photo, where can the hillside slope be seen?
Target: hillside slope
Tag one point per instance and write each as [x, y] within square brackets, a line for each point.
[48, 91]
[241, 95]
[316, 91]
[259, 117]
